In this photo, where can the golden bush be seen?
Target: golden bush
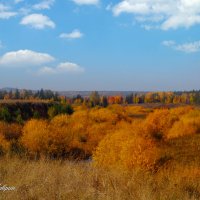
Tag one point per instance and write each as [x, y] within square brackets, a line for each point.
[158, 123]
[100, 115]
[60, 136]
[34, 136]
[189, 124]
[126, 149]
[139, 153]
[120, 112]
[108, 151]
[137, 111]
[179, 111]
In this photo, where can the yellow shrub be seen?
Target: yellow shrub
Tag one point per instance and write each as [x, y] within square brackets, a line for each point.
[80, 120]
[136, 111]
[103, 115]
[120, 112]
[188, 124]
[35, 135]
[158, 123]
[60, 135]
[139, 153]
[126, 149]
[108, 151]
[179, 111]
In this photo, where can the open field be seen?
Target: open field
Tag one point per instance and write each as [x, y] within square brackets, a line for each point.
[115, 153]
[59, 180]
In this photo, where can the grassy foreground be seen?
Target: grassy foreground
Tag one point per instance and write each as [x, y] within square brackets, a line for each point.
[65, 180]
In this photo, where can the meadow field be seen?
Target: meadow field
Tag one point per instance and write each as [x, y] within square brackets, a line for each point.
[142, 152]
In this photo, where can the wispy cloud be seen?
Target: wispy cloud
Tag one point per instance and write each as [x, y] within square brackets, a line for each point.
[25, 58]
[86, 2]
[169, 14]
[75, 34]
[38, 21]
[45, 4]
[66, 67]
[190, 47]
[5, 12]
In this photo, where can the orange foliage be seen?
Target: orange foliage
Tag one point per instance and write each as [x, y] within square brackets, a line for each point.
[10, 131]
[125, 148]
[115, 99]
[34, 136]
[159, 122]
[189, 124]
[108, 151]
[122, 136]
[139, 153]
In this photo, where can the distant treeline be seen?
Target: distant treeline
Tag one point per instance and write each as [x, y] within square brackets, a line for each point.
[28, 94]
[192, 97]
[189, 97]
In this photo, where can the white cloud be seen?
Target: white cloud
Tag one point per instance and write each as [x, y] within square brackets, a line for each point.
[75, 34]
[37, 21]
[66, 67]
[86, 2]
[69, 67]
[25, 58]
[191, 47]
[169, 14]
[5, 12]
[45, 4]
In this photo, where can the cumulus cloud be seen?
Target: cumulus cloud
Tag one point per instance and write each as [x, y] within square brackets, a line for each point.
[5, 12]
[75, 34]
[66, 67]
[169, 14]
[191, 47]
[86, 2]
[37, 21]
[46, 4]
[25, 58]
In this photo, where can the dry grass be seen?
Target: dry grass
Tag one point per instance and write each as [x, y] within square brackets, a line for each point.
[63, 180]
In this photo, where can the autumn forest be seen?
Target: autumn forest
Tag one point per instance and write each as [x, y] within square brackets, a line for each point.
[139, 146]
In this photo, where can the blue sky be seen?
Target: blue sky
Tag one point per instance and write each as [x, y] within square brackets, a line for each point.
[100, 44]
